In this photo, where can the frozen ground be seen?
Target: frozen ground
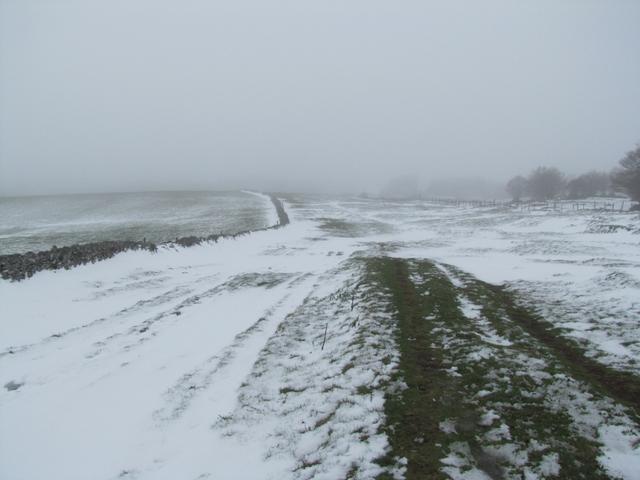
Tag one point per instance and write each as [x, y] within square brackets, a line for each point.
[580, 270]
[283, 354]
[38, 223]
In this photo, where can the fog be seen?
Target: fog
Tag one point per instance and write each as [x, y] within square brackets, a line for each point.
[336, 96]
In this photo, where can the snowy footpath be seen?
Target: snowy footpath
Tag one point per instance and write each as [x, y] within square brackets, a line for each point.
[292, 353]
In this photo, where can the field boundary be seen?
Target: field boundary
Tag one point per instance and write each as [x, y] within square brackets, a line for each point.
[608, 204]
[20, 266]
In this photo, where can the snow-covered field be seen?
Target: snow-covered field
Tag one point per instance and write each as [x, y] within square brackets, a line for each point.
[581, 270]
[272, 356]
[38, 223]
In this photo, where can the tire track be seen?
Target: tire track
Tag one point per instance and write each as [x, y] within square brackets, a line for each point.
[484, 394]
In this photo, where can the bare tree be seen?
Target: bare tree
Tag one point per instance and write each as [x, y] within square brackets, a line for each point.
[546, 183]
[627, 176]
[589, 184]
[517, 187]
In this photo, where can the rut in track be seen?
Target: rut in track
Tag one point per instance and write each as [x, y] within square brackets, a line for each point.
[489, 386]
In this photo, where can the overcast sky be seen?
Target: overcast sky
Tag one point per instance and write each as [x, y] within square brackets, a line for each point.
[291, 95]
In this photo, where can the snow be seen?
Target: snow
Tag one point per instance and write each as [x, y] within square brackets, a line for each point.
[38, 223]
[211, 361]
[488, 418]
[272, 215]
[144, 363]
[457, 464]
[621, 454]
[576, 273]
[474, 312]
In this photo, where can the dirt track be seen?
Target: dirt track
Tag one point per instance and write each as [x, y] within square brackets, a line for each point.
[487, 380]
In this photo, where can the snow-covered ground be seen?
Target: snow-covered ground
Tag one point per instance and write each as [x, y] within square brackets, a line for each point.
[176, 365]
[580, 269]
[265, 357]
[40, 222]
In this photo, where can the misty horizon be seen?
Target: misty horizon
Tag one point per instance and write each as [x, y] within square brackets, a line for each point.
[318, 97]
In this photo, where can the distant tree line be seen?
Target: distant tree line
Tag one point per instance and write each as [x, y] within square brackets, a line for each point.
[546, 183]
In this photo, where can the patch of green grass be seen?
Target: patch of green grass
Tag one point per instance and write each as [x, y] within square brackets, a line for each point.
[364, 390]
[512, 320]
[285, 390]
[342, 228]
[348, 366]
[433, 336]
[432, 396]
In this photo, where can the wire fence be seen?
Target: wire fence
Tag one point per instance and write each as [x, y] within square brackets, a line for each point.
[603, 205]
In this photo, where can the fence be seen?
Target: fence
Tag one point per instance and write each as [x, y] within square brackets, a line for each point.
[604, 205]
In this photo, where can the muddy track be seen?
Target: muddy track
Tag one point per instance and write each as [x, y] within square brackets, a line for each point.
[622, 386]
[432, 396]
[420, 367]
[487, 381]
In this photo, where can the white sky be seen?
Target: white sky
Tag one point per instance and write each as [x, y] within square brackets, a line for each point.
[292, 95]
